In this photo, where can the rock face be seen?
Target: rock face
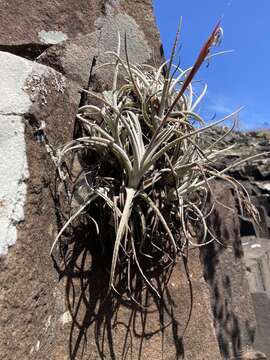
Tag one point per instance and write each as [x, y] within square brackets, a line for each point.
[73, 58]
[225, 273]
[28, 28]
[257, 255]
[31, 301]
[255, 176]
[42, 318]
[104, 328]
[45, 22]
[26, 87]
[56, 308]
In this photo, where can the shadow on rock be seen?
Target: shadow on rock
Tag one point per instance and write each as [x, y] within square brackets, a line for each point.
[224, 271]
[115, 326]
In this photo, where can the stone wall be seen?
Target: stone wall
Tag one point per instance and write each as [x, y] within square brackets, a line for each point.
[255, 176]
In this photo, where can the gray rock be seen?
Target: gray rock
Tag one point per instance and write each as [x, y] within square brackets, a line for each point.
[31, 299]
[224, 270]
[257, 256]
[251, 355]
[13, 176]
[51, 22]
[262, 310]
[265, 186]
[25, 23]
[20, 81]
[74, 57]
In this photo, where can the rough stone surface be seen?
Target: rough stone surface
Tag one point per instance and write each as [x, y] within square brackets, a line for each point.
[251, 355]
[262, 310]
[73, 58]
[14, 172]
[24, 21]
[40, 24]
[42, 318]
[257, 256]
[224, 271]
[52, 37]
[13, 72]
[254, 175]
[31, 299]
[14, 102]
[101, 328]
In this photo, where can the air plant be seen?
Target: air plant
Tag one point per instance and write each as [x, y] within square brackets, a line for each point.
[153, 162]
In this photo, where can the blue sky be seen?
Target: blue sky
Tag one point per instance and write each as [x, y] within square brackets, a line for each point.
[237, 79]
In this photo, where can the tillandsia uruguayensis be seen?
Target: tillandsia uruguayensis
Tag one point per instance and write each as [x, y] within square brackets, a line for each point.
[152, 165]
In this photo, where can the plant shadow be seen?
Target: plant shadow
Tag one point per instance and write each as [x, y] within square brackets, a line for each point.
[110, 326]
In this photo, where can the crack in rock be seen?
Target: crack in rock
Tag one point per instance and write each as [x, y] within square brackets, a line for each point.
[28, 51]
